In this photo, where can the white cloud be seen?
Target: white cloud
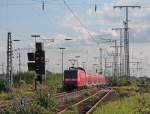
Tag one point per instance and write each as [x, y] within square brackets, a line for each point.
[78, 26]
[100, 25]
[107, 18]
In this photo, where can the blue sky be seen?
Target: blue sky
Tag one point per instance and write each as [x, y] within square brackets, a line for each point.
[25, 17]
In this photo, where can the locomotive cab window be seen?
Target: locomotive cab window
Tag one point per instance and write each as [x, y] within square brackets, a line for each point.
[71, 74]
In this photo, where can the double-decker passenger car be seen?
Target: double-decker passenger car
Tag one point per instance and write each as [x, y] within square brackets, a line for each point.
[76, 78]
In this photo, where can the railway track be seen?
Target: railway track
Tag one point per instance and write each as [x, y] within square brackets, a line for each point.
[89, 103]
[17, 103]
[63, 99]
[64, 94]
[59, 94]
[93, 107]
[68, 99]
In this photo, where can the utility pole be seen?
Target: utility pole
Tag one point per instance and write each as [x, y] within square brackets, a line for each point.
[9, 76]
[19, 64]
[105, 67]
[100, 61]
[62, 67]
[126, 39]
[121, 45]
[77, 57]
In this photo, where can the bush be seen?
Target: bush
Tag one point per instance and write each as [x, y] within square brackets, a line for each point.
[34, 108]
[116, 81]
[9, 111]
[45, 99]
[22, 82]
[54, 82]
[4, 86]
[143, 106]
[27, 77]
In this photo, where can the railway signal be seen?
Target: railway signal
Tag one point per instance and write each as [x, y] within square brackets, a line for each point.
[37, 62]
[40, 62]
[31, 63]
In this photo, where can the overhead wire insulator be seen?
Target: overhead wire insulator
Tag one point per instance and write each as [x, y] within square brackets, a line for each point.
[43, 6]
[95, 8]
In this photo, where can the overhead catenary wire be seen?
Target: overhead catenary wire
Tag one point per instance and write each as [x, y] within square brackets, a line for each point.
[77, 18]
[20, 35]
[16, 33]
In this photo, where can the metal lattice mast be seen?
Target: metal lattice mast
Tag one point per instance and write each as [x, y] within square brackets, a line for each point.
[121, 51]
[9, 59]
[115, 59]
[126, 39]
[105, 67]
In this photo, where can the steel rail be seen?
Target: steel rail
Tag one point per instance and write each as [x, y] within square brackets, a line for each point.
[76, 104]
[97, 103]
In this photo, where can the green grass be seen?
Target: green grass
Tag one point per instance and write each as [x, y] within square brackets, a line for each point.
[126, 105]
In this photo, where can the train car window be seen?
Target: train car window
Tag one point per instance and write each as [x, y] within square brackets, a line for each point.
[70, 74]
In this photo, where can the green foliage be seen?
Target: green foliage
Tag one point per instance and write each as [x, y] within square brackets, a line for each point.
[22, 82]
[54, 82]
[87, 93]
[44, 103]
[143, 106]
[4, 86]
[123, 106]
[33, 108]
[72, 110]
[116, 81]
[9, 111]
[45, 99]
[25, 76]
[127, 105]
[11, 95]
[45, 96]
[70, 99]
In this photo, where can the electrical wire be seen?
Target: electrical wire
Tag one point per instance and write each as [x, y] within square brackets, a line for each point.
[76, 17]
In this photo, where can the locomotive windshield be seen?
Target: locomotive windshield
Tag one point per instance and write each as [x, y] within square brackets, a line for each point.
[71, 74]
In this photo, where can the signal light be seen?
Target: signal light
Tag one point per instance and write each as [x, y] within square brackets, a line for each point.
[30, 56]
[31, 66]
[40, 62]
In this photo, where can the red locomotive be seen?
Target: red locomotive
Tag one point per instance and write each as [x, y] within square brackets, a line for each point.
[76, 78]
